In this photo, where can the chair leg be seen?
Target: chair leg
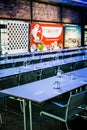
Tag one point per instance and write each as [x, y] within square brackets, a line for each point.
[21, 106]
[67, 126]
[53, 116]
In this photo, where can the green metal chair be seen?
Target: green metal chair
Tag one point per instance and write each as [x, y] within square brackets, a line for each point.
[2, 96]
[66, 111]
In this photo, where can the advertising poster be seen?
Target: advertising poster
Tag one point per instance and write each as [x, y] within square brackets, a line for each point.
[46, 36]
[72, 36]
[85, 35]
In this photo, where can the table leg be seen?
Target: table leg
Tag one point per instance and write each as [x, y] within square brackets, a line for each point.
[24, 114]
[30, 114]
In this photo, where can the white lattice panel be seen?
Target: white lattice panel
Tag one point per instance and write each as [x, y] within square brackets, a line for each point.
[18, 36]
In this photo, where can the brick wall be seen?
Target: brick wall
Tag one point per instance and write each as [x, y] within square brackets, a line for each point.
[70, 15]
[18, 9]
[41, 11]
[46, 12]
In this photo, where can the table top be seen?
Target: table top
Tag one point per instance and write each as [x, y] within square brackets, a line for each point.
[43, 52]
[80, 72]
[38, 57]
[43, 90]
[32, 67]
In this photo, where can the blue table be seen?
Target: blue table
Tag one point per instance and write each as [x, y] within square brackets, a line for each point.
[37, 58]
[43, 90]
[32, 67]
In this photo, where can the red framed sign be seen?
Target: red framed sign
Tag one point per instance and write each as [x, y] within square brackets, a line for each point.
[46, 36]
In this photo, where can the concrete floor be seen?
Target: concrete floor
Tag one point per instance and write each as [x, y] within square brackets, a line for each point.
[14, 121]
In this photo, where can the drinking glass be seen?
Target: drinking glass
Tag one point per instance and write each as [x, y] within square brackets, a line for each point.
[56, 85]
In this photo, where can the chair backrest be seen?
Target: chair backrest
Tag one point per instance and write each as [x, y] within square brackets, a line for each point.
[74, 102]
[2, 95]
[39, 74]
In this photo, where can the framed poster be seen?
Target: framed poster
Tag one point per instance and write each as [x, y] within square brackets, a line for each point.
[72, 36]
[45, 36]
[85, 35]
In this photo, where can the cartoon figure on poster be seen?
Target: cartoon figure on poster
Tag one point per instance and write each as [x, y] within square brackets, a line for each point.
[46, 36]
[36, 32]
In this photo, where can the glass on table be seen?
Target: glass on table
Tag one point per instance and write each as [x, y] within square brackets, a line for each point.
[6, 56]
[25, 62]
[12, 59]
[18, 69]
[56, 85]
[35, 66]
[83, 57]
[72, 76]
[32, 55]
[40, 58]
[59, 73]
[73, 58]
[62, 61]
[57, 58]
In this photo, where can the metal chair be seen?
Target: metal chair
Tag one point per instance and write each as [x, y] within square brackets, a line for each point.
[0, 119]
[2, 96]
[8, 82]
[39, 74]
[85, 63]
[74, 66]
[66, 111]
[56, 69]
[48, 72]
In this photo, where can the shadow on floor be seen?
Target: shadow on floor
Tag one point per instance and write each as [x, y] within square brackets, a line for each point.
[14, 121]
